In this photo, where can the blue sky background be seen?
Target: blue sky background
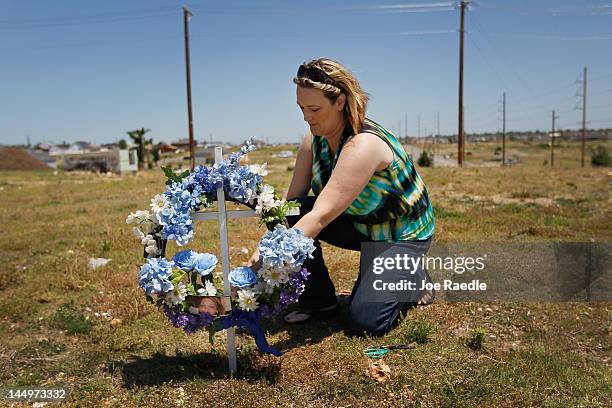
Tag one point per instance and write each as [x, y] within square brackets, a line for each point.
[85, 70]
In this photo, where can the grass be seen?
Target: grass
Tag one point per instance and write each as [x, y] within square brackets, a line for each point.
[55, 313]
[476, 340]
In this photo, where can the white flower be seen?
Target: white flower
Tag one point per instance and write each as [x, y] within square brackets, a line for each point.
[247, 300]
[259, 169]
[177, 295]
[151, 247]
[159, 202]
[138, 233]
[274, 276]
[140, 218]
[263, 287]
[267, 193]
[265, 199]
[208, 289]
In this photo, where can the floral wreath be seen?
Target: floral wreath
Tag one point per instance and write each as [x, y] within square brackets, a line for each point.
[185, 286]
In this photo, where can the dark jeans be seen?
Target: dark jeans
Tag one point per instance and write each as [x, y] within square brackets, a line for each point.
[373, 318]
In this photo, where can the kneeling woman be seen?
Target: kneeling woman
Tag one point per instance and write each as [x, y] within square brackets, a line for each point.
[365, 189]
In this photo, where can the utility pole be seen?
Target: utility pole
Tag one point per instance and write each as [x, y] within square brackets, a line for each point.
[504, 130]
[460, 135]
[552, 140]
[186, 15]
[584, 93]
[437, 135]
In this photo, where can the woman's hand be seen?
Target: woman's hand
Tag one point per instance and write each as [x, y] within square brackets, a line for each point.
[255, 262]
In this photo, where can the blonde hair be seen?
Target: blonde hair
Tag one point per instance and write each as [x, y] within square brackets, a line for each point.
[334, 79]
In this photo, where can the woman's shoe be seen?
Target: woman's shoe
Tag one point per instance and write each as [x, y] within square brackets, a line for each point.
[432, 296]
[303, 315]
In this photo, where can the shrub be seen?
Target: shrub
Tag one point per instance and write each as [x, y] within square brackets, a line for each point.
[477, 339]
[600, 156]
[419, 331]
[424, 159]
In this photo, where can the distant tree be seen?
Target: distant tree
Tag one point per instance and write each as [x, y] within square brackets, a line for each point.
[138, 138]
[149, 148]
[600, 156]
[122, 144]
[156, 153]
[424, 159]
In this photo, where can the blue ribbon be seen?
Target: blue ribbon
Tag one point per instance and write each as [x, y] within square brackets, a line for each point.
[250, 321]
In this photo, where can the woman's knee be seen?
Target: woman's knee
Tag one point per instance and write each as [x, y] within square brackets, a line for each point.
[366, 319]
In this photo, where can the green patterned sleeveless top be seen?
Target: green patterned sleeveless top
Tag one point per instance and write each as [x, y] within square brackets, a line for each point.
[394, 205]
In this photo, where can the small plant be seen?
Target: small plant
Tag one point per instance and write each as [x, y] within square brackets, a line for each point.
[105, 247]
[600, 156]
[477, 339]
[424, 159]
[419, 331]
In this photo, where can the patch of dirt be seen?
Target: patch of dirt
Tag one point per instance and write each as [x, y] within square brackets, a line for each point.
[12, 158]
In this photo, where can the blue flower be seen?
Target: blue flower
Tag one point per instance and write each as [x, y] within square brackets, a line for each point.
[242, 277]
[201, 175]
[185, 260]
[285, 247]
[242, 184]
[189, 260]
[239, 183]
[154, 276]
[205, 263]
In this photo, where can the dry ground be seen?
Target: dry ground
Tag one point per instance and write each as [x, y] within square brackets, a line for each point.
[54, 334]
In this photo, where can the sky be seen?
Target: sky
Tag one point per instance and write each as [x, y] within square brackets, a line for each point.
[85, 70]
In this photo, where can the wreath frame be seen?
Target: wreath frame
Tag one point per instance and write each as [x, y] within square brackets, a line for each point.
[261, 294]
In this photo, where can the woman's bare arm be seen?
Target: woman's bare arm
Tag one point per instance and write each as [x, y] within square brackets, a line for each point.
[302, 173]
[358, 160]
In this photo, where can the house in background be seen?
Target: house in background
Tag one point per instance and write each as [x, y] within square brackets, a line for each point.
[119, 161]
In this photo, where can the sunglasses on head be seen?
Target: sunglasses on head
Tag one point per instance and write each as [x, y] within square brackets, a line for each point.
[314, 74]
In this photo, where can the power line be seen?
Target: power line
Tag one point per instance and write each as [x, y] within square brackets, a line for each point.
[562, 88]
[601, 106]
[84, 16]
[88, 21]
[600, 92]
[499, 77]
[226, 35]
[480, 29]
[381, 9]
[601, 77]
[92, 44]
[554, 37]
[600, 10]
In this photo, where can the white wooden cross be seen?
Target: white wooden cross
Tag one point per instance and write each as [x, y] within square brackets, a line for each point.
[222, 216]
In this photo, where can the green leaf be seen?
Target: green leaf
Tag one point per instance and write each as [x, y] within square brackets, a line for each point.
[177, 275]
[211, 334]
[172, 176]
